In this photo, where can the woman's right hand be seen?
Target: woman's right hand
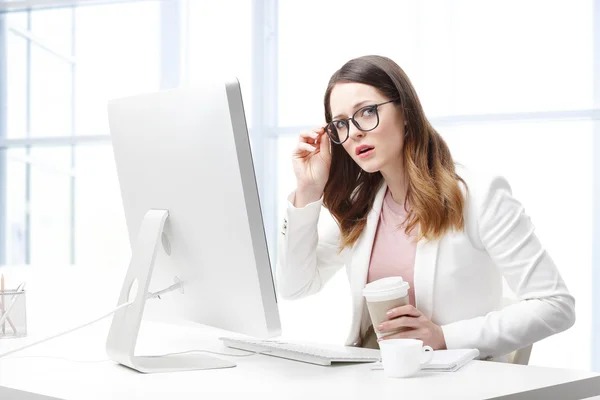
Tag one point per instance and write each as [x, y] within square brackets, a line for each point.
[311, 160]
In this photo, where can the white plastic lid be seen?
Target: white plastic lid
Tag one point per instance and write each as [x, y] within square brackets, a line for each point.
[384, 289]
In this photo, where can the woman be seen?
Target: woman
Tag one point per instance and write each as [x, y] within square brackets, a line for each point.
[378, 191]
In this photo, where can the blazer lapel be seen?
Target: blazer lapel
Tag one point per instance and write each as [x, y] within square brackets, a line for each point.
[424, 275]
[364, 246]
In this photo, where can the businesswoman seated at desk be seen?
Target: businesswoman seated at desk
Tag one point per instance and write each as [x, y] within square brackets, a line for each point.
[379, 193]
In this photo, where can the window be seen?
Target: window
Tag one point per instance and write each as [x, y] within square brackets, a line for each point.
[121, 61]
[63, 200]
[16, 86]
[14, 222]
[220, 44]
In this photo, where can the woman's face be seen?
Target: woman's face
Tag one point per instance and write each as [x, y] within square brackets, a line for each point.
[380, 148]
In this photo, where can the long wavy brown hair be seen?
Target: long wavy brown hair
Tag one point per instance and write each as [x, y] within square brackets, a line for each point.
[434, 193]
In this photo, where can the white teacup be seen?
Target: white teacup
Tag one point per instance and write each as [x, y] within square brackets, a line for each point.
[402, 358]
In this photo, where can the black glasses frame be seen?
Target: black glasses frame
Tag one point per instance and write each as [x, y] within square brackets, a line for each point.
[330, 126]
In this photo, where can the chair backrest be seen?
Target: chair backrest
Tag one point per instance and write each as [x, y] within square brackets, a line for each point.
[520, 356]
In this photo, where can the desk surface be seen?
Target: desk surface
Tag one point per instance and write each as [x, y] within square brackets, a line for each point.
[272, 378]
[94, 377]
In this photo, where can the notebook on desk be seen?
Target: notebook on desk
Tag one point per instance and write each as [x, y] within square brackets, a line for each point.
[446, 360]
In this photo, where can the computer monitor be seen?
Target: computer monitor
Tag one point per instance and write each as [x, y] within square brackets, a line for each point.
[193, 215]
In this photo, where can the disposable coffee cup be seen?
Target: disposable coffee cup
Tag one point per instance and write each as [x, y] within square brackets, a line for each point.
[381, 296]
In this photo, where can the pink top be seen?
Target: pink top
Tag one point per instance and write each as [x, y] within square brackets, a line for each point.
[393, 250]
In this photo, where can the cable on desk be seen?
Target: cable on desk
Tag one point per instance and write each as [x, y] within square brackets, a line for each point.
[148, 296]
[153, 295]
[66, 332]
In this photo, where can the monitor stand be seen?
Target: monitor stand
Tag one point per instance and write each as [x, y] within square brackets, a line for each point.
[125, 326]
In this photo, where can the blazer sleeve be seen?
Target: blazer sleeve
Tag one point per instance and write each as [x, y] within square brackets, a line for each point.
[308, 250]
[544, 307]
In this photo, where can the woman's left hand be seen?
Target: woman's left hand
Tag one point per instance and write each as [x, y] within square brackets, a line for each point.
[419, 327]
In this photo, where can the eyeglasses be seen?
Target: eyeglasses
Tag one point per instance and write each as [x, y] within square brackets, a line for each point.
[365, 119]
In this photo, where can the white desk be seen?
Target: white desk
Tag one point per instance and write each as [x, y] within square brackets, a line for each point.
[254, 376]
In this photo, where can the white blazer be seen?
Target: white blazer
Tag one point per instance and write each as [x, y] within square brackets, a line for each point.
[458, 279]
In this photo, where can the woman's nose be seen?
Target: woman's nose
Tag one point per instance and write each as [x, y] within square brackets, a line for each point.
[354, 132]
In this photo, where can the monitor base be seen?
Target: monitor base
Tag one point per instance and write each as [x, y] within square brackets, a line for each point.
[125, 326]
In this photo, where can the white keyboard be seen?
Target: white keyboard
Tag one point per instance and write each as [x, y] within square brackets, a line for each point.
[310, 353]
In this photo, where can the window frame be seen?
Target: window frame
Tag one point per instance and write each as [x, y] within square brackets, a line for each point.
[170, 16]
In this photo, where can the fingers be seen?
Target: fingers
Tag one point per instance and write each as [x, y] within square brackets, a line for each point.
[412, 334]
[311, 141]
[306, 147]
[402, 322]
[408, 310]
[311, 136]
[308, 137]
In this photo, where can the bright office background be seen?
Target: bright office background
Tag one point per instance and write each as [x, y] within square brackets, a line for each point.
[513, 86]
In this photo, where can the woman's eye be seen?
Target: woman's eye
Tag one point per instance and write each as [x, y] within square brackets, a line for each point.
[340, 124]
[368, 112]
